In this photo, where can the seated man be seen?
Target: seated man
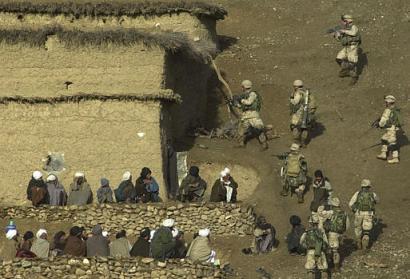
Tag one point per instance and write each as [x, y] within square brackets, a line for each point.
[126, 190]
[104, 193]
[225, 188]
[37, 190]
[141, 247]
[293, 238]
[80, 191]
[193, 187]
[200, 250]
[163, 242]
[264, 240]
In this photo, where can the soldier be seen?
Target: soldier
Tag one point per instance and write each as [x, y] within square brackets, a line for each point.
[363, 205]
[315, 241]
[294, 173]
[251, 123]
[350, 39]
[335, 226]
[301, 103]
[390, 122]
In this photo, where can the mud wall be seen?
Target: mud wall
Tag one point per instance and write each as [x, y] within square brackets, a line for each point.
[190, 79]
[56, 70]
[99, 138]
[201, 28]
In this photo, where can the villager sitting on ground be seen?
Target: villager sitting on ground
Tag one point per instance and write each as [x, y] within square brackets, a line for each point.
[80, 191]
[200, 250]
[126, 190]
[24, 251]
[97, 244]
[120, 247]
[163, 243]
[193, 187]
[56, 191]
[37, 189]
[293, 238]
[75, 245]
[10, 246]
[264, 240]
[58, 244]
[146, 187]
[41, 246]
[141, 247]
[104, 193]
[180, 246]
[224, 188]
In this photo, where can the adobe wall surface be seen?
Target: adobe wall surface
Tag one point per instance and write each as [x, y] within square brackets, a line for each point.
[99, 138]
[44, 72]
[194, 27]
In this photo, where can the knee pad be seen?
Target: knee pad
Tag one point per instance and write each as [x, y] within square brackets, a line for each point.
[384, 142]
[339, 61]
[393, 147]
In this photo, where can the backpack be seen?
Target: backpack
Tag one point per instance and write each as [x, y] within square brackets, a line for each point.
[313, 238]
[293, 165]
[365, 201]
[394, 118]
[337, 223]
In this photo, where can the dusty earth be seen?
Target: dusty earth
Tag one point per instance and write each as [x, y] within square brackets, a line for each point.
[273, 43]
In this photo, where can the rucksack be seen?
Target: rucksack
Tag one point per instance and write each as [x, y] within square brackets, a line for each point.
[313, 238]
[337, 223]
[293, 165]
[365, 201]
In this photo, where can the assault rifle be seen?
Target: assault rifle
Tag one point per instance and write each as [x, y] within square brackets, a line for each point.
[333, 30]
[371, 146]
[282, 156]
[305, 118]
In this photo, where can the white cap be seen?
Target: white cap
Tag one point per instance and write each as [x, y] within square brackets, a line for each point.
[51, 177]
[40, 232]
[79, 174]
[11, 233]
[126, 176]
[37, 175]
[227, 171]
[174, 232]
[105, 233]
[168, 223]
[204, 232]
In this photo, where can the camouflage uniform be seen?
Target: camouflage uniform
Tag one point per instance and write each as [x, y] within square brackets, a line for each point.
[250, 117]
[363, 219]
[296, 103]
[390, 123]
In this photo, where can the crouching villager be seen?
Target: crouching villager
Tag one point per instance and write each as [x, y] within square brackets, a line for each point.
[146, 187]
[141, 247]
[126, 190]
[200, 250]
[97, 244]
[37, 190]
[225, 188]
[80, 191]
[193, 187]
[104, 193]
[120, 247]
[163, 242]
[24, 251]
[293, 238]
[75, 245]
[41, 246]
[264, 240]
[58, 244]
[56, 191]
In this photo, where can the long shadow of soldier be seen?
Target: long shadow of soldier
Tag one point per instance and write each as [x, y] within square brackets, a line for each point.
[362, 62]
[377, 231]
[317, 130]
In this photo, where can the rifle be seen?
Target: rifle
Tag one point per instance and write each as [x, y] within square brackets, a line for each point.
[370, 147]
[282, 156]
[333, 30]
[305, 117]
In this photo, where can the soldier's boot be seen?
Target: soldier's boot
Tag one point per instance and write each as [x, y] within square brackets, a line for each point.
[336, 261]
[241, 142]
[383, 153]
[263, 140]
[303, 138]
[365, 241]
[284, 192]
[324, 274]
[344, 69]
[299, 194]
[359, 244]
[296, 134]
[353, 73]
[395, 158]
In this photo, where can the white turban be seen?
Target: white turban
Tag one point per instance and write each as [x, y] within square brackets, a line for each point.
[227, 171]
[51, 177]
[37, 175]
[168, 223]
[105, 233]
[204, 232]
[40, 232]
[126, 176]
[151, 235]
[10, 234]
[175, 232]
[79, 174]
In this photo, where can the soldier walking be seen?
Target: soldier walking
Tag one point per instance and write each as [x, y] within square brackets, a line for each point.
[302, 110]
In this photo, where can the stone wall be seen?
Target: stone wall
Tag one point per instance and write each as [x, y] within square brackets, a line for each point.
[99, 138]
[106, 268]
[221, 219]
[45, 72]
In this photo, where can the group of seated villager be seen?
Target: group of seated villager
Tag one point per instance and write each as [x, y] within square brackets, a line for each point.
[145, 189]
[165, 242]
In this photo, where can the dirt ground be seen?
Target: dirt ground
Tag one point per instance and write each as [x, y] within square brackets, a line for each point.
[273, 43]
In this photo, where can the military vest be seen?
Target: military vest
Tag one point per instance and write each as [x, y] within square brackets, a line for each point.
[337, 222]
[394, 118]
[347, 40]
[293, 164]
[313, 238]
[256, 105]
[365, 201]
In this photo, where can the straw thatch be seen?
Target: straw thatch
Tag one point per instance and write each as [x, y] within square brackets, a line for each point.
[169, 41]
[163, 95]
[115, 8]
